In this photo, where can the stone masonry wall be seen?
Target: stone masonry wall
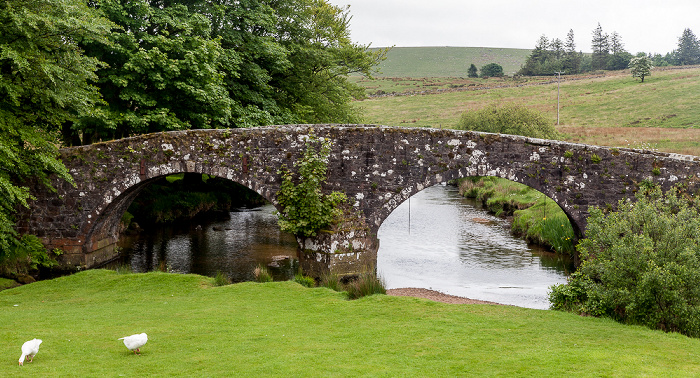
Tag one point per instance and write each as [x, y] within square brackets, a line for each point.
[377, 167]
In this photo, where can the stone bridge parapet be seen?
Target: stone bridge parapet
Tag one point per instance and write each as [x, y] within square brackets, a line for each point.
[377, 167]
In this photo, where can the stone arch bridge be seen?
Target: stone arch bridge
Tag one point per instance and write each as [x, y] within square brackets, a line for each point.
[377, 167]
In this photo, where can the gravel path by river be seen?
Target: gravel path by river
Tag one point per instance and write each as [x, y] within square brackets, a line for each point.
[434, 296]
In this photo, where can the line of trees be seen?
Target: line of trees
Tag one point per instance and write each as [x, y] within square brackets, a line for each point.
[608, 53]
[74, 72]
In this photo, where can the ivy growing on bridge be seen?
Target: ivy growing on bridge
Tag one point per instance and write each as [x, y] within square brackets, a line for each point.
[305, 208]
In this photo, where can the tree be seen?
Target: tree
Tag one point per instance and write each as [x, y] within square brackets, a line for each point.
[641, 264]
[556, 48]
[688, 49]
[572, 59]
[44, 84]
[601, 49]
[472, 71]
[492, 70]
[640, 67]
[315, 87]
[619, 58]
[181, 64]
[164, 72]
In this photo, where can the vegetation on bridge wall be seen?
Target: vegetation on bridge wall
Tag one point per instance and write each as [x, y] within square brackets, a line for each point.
[305, 208]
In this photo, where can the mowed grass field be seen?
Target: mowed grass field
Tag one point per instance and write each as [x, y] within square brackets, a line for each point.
[282, 329]
[611, 110]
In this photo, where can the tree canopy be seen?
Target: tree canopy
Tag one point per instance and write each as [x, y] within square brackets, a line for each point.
[189, 64]
[549, 57]
[75, 72]
[44, 84]
[492, 70]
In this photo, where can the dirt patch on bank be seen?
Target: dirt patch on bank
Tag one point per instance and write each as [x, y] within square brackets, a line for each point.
[434, 296]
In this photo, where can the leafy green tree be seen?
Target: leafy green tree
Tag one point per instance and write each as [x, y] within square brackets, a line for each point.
[641, 264]
[552, 56]
[183, 64]
[508, 119]
[688, 51]
[492, 70]
[164, 72]
[640, 67]
[44, 84]
[658, 60]
[538, 58]
[472, 71]
[316, 86]
[557, 49]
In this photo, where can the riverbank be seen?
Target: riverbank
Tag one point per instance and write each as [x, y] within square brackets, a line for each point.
[534, 216]
[284, 329]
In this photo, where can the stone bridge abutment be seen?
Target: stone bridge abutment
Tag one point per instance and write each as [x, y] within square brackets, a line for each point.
[377, 167]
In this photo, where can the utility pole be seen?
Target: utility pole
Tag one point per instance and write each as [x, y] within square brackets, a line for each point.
[558, 77]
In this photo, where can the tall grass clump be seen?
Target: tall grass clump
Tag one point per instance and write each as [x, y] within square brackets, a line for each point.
[367, 283]
[123, 269]
[221, 279]
[545, 224]
[262, 274]
[331, 281]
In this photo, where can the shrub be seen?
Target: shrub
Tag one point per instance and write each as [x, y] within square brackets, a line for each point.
[26, 255]
[305, 209]
[492, 70]
[262, 274]
[508, 119]
[304, 280]
[641, 264]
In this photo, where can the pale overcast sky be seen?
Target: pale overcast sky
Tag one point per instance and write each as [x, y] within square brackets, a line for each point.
[644, 25]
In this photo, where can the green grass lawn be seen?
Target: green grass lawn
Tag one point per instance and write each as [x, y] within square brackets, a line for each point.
[615, 110]
[283, 329]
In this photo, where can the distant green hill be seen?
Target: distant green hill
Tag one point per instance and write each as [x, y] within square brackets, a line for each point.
[448, 61]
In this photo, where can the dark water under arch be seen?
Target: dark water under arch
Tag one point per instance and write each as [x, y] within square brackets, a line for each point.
[453, 246]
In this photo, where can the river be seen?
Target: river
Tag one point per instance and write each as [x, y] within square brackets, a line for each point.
[437, 240]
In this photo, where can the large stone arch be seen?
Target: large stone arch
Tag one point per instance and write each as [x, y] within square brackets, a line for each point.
[377, 167]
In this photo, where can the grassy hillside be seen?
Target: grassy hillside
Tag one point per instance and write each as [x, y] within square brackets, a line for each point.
[614, 110]
[448, 61]
[283, 329]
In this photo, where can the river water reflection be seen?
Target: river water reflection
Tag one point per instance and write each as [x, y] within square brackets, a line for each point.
[451, 246]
